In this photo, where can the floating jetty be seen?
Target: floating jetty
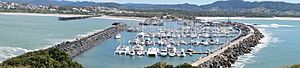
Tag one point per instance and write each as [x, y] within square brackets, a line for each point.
[228, 53]
[73, 48]
[173, 41]
[74, 18]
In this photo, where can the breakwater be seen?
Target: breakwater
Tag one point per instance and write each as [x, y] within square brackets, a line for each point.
[228, 53]
[79, 17]
[73, 48]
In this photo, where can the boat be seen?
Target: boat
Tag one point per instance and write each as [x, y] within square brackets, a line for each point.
[181, 53]
[118, 36]
[124, 50]
[171, 51]
[205, 43]
[152, 51]
[138, 49]
[131, 53]
[117, 50]
[190, 50]
[163, 52]
[148, 42]
[182, 42]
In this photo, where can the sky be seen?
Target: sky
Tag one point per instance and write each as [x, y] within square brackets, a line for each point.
[197, 2]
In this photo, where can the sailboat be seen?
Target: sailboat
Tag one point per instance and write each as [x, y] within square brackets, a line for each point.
[118, 36]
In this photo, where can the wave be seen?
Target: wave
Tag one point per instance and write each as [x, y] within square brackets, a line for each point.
[274, 26]
[249, 58]
[88, 33]
[7, 52]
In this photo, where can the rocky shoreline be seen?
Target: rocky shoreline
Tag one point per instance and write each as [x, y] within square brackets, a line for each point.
[73, 48]
[248, 38]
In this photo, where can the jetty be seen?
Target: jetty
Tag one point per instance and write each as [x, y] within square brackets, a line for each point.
[73, 48]
[78, 17]
[227, 54]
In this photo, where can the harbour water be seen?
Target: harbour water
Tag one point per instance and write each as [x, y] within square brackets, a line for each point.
[21, 34]
[102, 55]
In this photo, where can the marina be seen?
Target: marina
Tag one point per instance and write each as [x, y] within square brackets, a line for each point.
[184, 45]
[175, 38]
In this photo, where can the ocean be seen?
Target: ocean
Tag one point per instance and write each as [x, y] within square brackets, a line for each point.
[279, 48]
[20, 33]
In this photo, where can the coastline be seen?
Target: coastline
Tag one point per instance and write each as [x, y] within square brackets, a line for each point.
[74, 15]
[142, 19]
[250, 18]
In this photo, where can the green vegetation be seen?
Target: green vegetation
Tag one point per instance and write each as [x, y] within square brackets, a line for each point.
[165, 65]
[295, 66]
[292, 66]
[48, 58]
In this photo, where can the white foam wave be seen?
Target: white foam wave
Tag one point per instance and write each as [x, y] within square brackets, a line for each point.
[7, 52]
[249, 58]
[88, 33]
[274, 26]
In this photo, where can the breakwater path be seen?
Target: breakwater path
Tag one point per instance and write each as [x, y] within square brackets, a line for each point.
[73, 48]
[227, 53]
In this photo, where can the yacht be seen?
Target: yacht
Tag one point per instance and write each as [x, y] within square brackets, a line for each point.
[152, 51]
[118, 36]
[131, 53]
[163, 52]
[171, 51]
[138, 49]
[124, 50]
[205, 43]
[117, 50]
[181, 53]
[190, 50]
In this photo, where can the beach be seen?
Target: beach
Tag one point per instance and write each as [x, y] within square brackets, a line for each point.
[142, 19]
[250, 18]
[74, 15]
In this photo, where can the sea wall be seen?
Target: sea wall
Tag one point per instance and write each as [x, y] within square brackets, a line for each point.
[73, 48]
[228, 53]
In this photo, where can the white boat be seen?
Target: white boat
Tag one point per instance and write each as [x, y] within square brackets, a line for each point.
[171, 51]
[182, 42]
[181, 53]
[117, 50]
[163, 52]
[206, 35]
[124, 50]
[190, 50]
[141, 34]
[205, 43]
[152, 51]
[139, 50]
[134, 41]
[118, 36]
[148, 42]
[131, 53]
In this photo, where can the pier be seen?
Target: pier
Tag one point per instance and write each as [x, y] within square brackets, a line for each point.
[74, 18]
[73, 48]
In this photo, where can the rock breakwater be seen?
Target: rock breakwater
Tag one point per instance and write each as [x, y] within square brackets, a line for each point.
[228, 53]
[73, 48]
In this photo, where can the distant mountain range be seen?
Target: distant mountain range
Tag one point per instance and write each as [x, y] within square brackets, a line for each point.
[229, 5]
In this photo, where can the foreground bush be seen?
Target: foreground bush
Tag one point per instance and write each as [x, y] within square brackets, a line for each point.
[48, 58]
[165, 65]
